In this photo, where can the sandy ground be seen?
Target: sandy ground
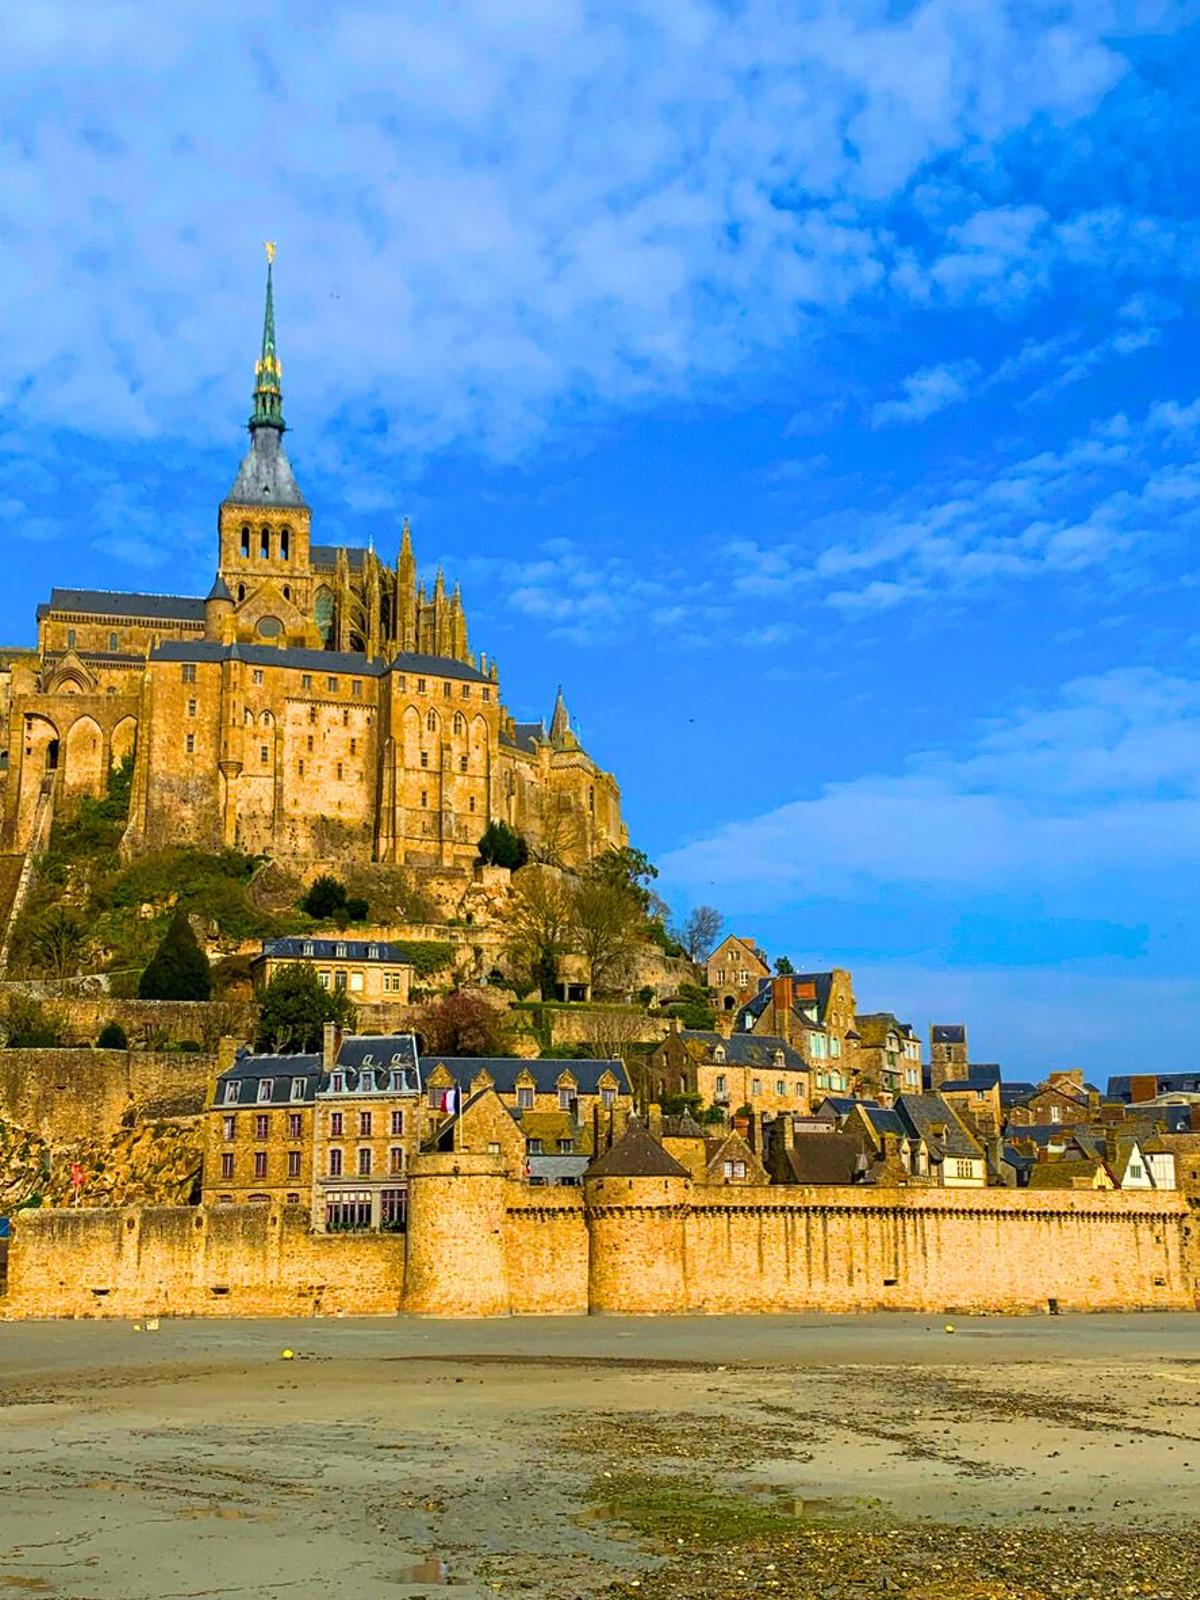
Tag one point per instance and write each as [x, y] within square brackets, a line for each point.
[400, 1458]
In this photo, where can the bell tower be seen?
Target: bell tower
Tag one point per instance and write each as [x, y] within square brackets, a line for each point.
[264, 525]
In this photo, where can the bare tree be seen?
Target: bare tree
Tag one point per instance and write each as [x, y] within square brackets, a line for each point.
[538, 924]
[698, 934]
[608, 924]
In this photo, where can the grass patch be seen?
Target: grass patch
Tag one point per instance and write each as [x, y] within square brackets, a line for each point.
[664, 1509]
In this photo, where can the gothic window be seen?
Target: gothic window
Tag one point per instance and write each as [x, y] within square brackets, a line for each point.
[264, 544]
[285, 541]
[113, 641]
[265, 719]
[241, 592]
[323, 615]
[70, 638]
[431, 721]
[460, 725]
[245, 547]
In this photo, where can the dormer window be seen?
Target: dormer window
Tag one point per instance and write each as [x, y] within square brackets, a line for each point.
[719, 1053]
[372, 952]
[298, 1085]
[525, 1097]
[308, 947]
[366, 1082]
[779, 1058]
[338, 1082]
[266, 1088]
[231, 1093]
[340, 950]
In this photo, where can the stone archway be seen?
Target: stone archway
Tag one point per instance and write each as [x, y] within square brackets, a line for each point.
[124, 739]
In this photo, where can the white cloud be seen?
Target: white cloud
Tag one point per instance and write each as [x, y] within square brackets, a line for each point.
[483, 209]
[925, 392]
[1102, 786]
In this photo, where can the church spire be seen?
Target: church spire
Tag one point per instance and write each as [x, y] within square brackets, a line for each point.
[560, 722]
[268, 395]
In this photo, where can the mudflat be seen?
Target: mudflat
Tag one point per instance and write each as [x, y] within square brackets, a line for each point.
[571, 1457]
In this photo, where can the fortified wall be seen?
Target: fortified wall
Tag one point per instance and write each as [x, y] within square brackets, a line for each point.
[61, 1094]
[481, 1245]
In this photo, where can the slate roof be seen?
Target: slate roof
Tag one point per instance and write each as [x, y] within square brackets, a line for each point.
[842, 1105]
[745, 1050]
[884, 1120]
[1043, 1132]
[389, 1052]
[349, 661]
[220, 589]
[248, 1070]
[505, 1070]
[301, 949]
[874, 1027]
[324, 556]
[636, 1155]
[1120, 1087]
[1080, 1173]
[962, 1086]
[116, 603]
[1017, 1160]
[1012, 1094]
[823, 1158]
[949, 1033]
[983, 1074]
[525, 735]
[265, 477]
[921, 1113]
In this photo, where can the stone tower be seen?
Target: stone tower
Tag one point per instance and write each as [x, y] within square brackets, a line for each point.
[947, 1052]
[637, 1199]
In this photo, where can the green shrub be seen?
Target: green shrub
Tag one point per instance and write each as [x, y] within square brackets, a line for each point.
[295, 1009]
[502, 846]
[326, 898]
[112, 1037]
[357, 909]
[426, 956]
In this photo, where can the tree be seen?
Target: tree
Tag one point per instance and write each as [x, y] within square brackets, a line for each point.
[56, 942]
[607, 924]
[178, 969]
[561, 839]
[27, 1025]
[539, 925]
[626, 868]
[502, 846]
[326, 898]
[699, 932]
[357, 909]
[112, 1037]
[462, 1024]
[693, 1007]
[295, 1009]
[783, 966]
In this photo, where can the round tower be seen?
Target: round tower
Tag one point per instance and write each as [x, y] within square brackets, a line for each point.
[637, 1199]
[455, 1265]
[218, 605]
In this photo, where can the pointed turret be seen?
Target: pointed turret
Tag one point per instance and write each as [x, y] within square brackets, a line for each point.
[458, 627]
[265, 477]
[560, 722]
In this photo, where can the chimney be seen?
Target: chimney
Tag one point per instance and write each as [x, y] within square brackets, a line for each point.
[654, 1120]
[782, 994]
[674, 1024]
[724, 1023]
[329, 1045]
[227, 1049]
[741, 1124]
[1194, 1116]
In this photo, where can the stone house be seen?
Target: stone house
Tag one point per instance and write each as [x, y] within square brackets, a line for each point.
[977, 1101]
[896, 1157]
[369, 1121]
[889, 1055]
[258, 1135]
[957, 1159]
[543, 1148]
[734, 971]
[714, 1159]
[813, 1012]
[948, 1052]
[767, 1074]
[584, 1088]
[1063, 1098]
[368, 971]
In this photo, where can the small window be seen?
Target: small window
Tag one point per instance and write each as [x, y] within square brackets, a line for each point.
[486, 692]
[395, 1160]
[285, 545]
[566, 1147]
[525, 1098]
[534, 1146]
[298, 1088]
[424, 798]
[293, 1170]
[460, 725]
[431, 722]
[312, 713]
[462, 763]
[424, 758]
[256, 676]
[397, 1124]
[339, 950]
[565, 1095]
[189, 744]
[466, 691]
[295, 1125]
[354, 747]
[260, 1163]
[356, 688]
[264, 544]
[231, 1093]
[227, 1164]
[70, 638]
[364, 1163]
[372, 952]
[471, 803]
[335, 1124]
[331, 684]
[245, 544]
[188, 672]
[364, 1124]
[229, 1127]
[306, 680]
[113, 641]
[307, 948]
[191, 708]
[608, 1098]
[346, 717]
[447, 690]
[262, 1126]
[339, 771]
[335, 1163]
[266, 1088]
[264, 756]
[310, 743]
[420, 685]
[300, 767]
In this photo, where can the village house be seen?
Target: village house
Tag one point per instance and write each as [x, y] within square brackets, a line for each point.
[948, 1053]
[367, 971]
[734, 970]
[710, 1156]
[814, 1013]
[544, 1148]
[369, 1121]
[582, 1088]
[259, 1131]
[1063, 1098]
[888, 1056]
[761, 1072]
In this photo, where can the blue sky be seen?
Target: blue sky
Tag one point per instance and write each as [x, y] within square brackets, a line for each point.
[810, 388]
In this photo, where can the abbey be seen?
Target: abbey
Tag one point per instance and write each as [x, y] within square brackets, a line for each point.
[316, 703]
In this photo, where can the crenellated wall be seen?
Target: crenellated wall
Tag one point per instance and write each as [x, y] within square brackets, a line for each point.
[482, 1245]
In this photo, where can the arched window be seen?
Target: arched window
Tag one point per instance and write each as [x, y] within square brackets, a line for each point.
[287, 593]
[264, 544]
[323, 614]
[241, 589]
[285, 544]
[460, 725]
[245, 541]
[431, 721]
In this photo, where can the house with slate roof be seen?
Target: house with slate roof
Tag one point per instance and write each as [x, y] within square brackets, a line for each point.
[582, 1088]
[957, 1159]
[368, 971]
[767, 1074]
[318, 700]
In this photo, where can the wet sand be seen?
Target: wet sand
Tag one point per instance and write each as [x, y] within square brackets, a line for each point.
[399, 1458]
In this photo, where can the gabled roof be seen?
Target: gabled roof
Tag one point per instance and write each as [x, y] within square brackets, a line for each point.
[884, 1120]
[1120, 1087]
[636, 1155]
[525, 735]
[115, 603]
[983, 1073]
[842, 1105]
[874, 1027]
[923, 1113]
[823, 1158]
[505, 1070]
[388, 1052]
[949, 1033]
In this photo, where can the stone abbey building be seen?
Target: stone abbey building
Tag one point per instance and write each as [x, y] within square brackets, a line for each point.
[315, 703]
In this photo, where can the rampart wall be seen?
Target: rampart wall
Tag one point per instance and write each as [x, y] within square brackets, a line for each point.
[64, 1095]
[482, 1245]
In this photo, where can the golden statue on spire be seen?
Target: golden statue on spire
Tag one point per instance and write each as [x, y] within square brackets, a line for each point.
[269, 247]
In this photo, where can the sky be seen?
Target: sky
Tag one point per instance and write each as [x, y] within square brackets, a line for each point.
[810, 389]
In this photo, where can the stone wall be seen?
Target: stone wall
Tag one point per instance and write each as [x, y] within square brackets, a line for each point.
[248, 1261]
[63, 1095]
[481, 1245]
[154, 1022]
